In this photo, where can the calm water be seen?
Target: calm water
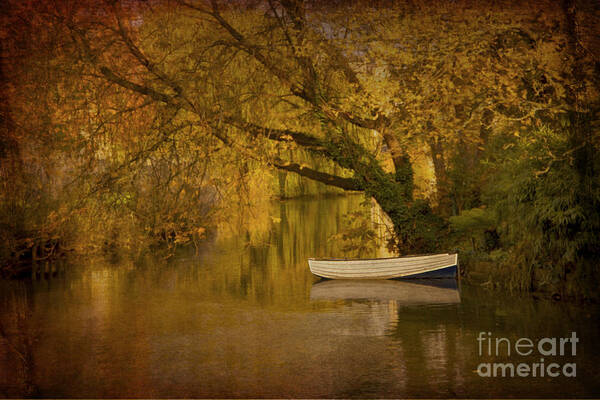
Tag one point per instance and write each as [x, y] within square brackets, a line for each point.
[246, 318]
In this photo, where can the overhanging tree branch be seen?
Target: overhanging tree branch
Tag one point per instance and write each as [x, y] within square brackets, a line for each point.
[344, 144]
[378, 122]
[304, 140]
[328, 179]
[145, 90]
[143, 59]
[282, 135]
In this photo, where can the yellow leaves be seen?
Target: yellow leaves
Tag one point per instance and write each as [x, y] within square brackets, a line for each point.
[52, 216]
[303, 49]
[187, 236]
[181, 239]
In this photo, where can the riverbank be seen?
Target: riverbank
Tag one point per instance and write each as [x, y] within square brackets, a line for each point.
[494, 274]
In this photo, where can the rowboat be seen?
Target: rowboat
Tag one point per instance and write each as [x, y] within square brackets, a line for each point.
[423, 266]
[405, 293]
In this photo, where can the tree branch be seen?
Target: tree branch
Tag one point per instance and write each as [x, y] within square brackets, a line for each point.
[146, 91]
[113, 77]
[328, 179]
[142, 58]
[282, 135]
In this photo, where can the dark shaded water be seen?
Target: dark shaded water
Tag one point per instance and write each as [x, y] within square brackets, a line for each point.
[247, 319]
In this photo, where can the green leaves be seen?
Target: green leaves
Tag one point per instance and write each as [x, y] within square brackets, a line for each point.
[546, 217]
[472, 220]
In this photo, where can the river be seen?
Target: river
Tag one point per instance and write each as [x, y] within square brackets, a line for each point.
[245, 318]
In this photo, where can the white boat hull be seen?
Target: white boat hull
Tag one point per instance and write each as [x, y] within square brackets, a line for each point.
[385, 268]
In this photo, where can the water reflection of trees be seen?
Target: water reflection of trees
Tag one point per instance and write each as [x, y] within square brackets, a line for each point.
[17, 336]
[270, 260]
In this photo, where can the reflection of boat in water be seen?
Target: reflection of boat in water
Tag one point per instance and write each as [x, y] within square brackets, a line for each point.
[426, 266]
[404, 292]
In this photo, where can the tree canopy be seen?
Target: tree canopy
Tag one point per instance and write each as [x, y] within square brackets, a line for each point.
[157, 106]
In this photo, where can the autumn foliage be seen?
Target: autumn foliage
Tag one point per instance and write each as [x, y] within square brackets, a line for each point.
[152, 118]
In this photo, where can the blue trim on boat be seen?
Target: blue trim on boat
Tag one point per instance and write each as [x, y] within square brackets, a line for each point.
[448, 272]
